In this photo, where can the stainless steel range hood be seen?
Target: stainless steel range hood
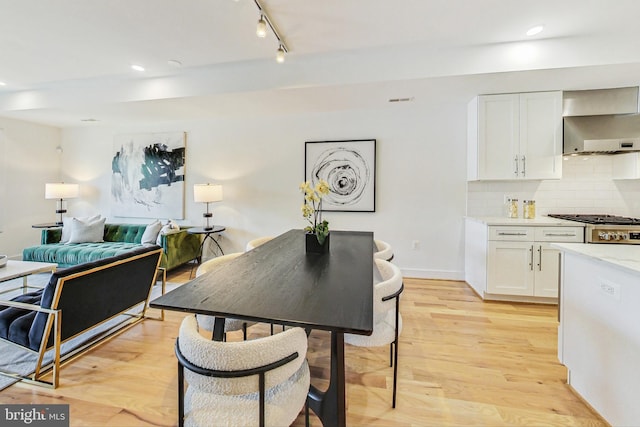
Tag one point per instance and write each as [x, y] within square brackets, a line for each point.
[603, 121]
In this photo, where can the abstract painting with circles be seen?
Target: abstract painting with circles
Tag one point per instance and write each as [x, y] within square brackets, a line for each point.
[349, 167]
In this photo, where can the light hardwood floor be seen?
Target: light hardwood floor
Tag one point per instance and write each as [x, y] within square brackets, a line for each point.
[463, 362]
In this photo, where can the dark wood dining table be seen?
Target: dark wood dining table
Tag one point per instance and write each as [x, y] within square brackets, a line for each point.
[278, 282]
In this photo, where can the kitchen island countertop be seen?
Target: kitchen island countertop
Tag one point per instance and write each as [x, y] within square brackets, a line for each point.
[618, 255]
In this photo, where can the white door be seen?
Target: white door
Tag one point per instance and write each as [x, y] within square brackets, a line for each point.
[510, 268]
[541, 135]
[497, 136]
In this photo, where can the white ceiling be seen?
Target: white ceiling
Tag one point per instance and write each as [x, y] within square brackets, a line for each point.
[68, 60]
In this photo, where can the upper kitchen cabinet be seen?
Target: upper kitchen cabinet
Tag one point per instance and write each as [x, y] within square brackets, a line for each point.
[515, 136]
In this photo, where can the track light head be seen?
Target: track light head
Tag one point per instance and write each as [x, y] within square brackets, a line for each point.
[261, 28]
[280, 54]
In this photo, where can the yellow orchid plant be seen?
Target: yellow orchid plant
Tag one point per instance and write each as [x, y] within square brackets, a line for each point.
[312, 208]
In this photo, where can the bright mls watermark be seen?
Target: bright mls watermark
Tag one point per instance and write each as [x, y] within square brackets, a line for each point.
[34, 415]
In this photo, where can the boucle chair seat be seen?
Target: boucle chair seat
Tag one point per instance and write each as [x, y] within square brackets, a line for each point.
[384, 251]
[387, 322]
[257, 242]
[207, 322]
[384, 332]
[211, 400]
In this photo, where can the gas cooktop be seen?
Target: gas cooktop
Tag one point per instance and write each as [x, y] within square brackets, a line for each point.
[598, 219]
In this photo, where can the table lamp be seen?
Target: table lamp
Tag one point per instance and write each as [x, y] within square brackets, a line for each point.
[207, 193]
[60, 191]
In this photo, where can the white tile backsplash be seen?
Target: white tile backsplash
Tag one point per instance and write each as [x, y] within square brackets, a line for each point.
[586, 187]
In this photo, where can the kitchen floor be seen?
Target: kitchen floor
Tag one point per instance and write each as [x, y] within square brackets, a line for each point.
[462, 362]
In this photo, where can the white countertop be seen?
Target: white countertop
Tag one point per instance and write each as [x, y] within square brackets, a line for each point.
[618, 255]
[535, 222]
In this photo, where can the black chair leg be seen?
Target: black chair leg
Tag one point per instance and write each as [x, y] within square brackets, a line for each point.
[306, 413]
[395, 374]
[244, 331]
[391, 355]
[180, 395]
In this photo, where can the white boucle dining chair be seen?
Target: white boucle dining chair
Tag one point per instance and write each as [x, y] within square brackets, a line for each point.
[384, 250]
[263, 381]
[257, 242]
[387, 321]
[206, 322]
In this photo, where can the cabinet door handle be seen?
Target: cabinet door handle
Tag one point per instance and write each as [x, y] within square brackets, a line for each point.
[531, 262]
[560, 234]
[502, 233]
[540, 258]
[524, 165]
[517, 170]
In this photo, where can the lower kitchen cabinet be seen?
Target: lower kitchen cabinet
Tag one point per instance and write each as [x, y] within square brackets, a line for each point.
[522, 268]
[515, 262]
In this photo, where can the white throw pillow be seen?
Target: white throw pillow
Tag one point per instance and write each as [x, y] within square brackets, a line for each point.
[170, 227]
[66, 226]
[150, 235]
[87, 232]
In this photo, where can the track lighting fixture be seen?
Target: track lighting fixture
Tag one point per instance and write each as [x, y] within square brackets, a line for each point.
[261, 31]
[261, 28]
[280, 54]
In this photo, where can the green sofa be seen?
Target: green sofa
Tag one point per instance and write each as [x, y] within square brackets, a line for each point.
[178, 247]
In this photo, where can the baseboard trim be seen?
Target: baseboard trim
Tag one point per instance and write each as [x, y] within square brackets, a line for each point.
[433, 274]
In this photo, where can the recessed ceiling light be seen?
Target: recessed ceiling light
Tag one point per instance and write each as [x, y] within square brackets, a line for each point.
[3, 84]
[535, 30]
[137, 67]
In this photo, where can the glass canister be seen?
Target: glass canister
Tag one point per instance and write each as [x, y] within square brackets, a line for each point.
[513, 208]
[529, 209]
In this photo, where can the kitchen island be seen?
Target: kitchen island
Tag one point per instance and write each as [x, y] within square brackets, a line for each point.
[599, 332]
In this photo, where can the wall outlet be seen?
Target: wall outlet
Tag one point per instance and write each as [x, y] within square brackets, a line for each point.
[609, 288]
[507, 199]
[415, 245]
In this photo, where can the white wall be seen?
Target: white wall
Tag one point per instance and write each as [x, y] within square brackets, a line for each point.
[420, 177]
[29, 160]
[586, 187]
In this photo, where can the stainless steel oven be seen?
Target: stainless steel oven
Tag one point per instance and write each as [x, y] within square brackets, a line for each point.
[607, 228]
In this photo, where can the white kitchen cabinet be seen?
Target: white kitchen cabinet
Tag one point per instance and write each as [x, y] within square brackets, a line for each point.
[515, 262]
[626, 166]
[515, 136]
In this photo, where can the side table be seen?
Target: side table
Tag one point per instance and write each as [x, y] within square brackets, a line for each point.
[208, 234]
[47, 225]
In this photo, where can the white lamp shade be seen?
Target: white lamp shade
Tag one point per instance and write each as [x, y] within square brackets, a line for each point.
[206, 193]
[60, 190]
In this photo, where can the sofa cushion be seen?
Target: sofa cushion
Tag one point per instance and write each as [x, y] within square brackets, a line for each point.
[66, 225]
[150, 235]
[67, 255]
[128, 233]
[87, 232]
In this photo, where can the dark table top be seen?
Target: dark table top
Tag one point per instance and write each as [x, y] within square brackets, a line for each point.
[279, 282]
[202, 230]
